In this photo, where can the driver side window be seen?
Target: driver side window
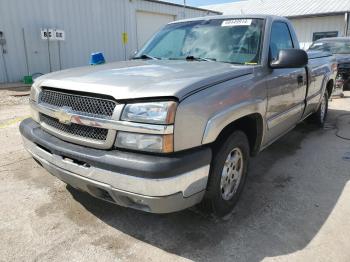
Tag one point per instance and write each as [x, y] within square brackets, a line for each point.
[280, 39]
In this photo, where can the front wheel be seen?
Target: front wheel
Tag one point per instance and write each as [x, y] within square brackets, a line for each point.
[227, 175]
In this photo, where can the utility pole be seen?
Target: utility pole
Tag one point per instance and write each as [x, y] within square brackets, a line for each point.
[347, 20]
[184, 8]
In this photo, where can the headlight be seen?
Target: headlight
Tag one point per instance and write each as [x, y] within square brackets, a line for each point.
[34, 92]
[152, 113]
[34, 96]
[145, 142]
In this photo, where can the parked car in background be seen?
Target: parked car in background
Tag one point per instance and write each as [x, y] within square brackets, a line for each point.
[177, 125]
[328, 57]
[340, 48]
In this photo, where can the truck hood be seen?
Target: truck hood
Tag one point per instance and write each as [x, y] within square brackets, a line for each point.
[144, 78]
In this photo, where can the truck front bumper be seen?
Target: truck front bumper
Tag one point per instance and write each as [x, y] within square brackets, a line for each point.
[152, 183]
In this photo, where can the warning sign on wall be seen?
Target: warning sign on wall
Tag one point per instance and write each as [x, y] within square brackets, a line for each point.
[52, 34]
[125, 38]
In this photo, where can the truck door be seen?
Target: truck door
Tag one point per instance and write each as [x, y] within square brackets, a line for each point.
[286, 87]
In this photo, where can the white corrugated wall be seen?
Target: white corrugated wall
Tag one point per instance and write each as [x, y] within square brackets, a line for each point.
[89, 25]
[305, 27]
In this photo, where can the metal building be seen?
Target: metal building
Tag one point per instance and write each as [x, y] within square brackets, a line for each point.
[115, 27]
[312, 19]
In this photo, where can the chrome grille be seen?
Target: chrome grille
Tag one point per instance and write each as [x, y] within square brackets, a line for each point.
[79, 131]
[78, 103]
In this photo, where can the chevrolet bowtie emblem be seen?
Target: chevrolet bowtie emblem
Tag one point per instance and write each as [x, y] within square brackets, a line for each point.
[64, 116]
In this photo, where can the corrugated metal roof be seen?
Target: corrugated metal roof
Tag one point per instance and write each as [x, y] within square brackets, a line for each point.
[287, 8]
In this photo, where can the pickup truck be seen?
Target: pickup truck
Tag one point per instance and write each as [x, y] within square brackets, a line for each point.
[176, 125]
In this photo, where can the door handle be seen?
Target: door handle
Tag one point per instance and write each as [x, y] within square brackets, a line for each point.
[300, 79]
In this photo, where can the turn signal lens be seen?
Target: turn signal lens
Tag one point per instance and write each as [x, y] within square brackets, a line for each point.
[145, 142]
[34, 92]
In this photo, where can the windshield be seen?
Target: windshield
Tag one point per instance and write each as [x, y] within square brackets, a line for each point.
[341, 47]
[236, 41]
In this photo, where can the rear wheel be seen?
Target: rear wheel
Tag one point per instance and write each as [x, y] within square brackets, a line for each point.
[227, 175]
[321, 114]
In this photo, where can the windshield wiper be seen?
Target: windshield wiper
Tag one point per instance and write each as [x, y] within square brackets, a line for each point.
[194, 58]
[145, 56]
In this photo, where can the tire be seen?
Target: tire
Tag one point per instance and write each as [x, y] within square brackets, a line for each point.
[321, 114]
[220, 199]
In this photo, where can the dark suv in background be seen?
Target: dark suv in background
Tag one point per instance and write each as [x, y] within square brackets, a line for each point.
[340, 48]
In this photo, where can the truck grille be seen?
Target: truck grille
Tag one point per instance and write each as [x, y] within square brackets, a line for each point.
[78, 103]
[79, 131]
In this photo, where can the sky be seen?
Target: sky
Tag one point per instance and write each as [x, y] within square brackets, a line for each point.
[200, 2]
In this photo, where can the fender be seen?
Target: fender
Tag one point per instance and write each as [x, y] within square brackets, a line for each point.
[312, 102]
[325, 81]
[221, 120]
[323, 88]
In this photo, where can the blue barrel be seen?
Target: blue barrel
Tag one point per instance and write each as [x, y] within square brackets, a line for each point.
[97, 59]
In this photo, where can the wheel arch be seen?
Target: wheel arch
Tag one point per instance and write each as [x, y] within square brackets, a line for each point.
[250, 122]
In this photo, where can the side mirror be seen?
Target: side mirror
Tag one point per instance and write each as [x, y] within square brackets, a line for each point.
[133, 53]
[290, 58]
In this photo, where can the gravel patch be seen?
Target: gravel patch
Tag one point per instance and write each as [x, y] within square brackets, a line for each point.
[15, 96]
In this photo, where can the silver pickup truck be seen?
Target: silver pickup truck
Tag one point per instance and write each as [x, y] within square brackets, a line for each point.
[176, 125]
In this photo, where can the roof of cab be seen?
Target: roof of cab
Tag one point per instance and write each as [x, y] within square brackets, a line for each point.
[224, 17]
